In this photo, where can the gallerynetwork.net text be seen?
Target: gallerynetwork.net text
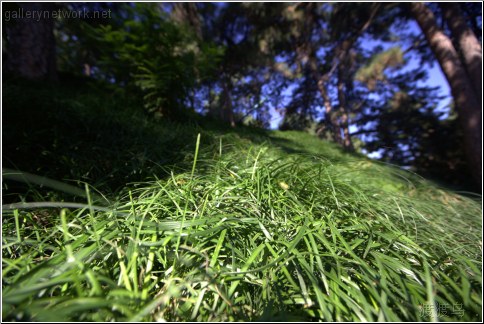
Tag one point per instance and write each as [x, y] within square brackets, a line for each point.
[37, 15]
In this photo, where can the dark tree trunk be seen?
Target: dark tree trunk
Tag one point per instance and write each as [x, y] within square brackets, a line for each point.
[468, 106]
[187, 13]
[226, 109]
[343, 105]
[331, 120]
[31, 43]
[470, 47]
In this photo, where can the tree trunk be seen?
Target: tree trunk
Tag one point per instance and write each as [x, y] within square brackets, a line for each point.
[341, 54]
[468, 106]
[469, 45]
[31, 42]
[343, 106]
[347, 143]
[226, 111]
[330, 119]
[329, 114]
[187, 13]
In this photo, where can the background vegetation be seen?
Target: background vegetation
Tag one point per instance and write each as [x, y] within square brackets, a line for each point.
[140, 182]
[350, 73]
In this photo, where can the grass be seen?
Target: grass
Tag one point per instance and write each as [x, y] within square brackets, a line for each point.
[232, 225]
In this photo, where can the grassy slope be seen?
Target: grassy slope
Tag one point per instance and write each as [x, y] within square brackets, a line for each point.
[245, 225]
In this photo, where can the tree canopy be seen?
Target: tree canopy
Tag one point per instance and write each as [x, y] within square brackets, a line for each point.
[339, 70]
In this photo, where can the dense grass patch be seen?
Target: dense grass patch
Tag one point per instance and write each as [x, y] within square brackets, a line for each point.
[226, 225]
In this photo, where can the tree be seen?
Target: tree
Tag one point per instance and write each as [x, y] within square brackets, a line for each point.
[468, 106]
[77, 53]
[401, 122]
[245, 69]
[335, 30]
[239, 62]
[303, 19]
[186, 13]
[157, 58]
[30, 41]
[468, 44]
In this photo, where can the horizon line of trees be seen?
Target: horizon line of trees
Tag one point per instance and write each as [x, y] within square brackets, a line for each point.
[240, 62]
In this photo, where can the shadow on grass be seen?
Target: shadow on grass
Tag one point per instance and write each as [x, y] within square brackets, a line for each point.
[87, 133]
[84, 131]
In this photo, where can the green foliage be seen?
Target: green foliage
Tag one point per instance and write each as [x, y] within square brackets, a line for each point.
[222, 60]
[237, 225]
[163, 60]
[373, 71]
[440, 154]
[298, 122]
[76, 52]
[413, 134]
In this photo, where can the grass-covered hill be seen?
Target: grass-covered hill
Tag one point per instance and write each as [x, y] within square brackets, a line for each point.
[109, 215]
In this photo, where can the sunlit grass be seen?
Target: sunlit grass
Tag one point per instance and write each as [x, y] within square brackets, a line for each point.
[250, 231]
